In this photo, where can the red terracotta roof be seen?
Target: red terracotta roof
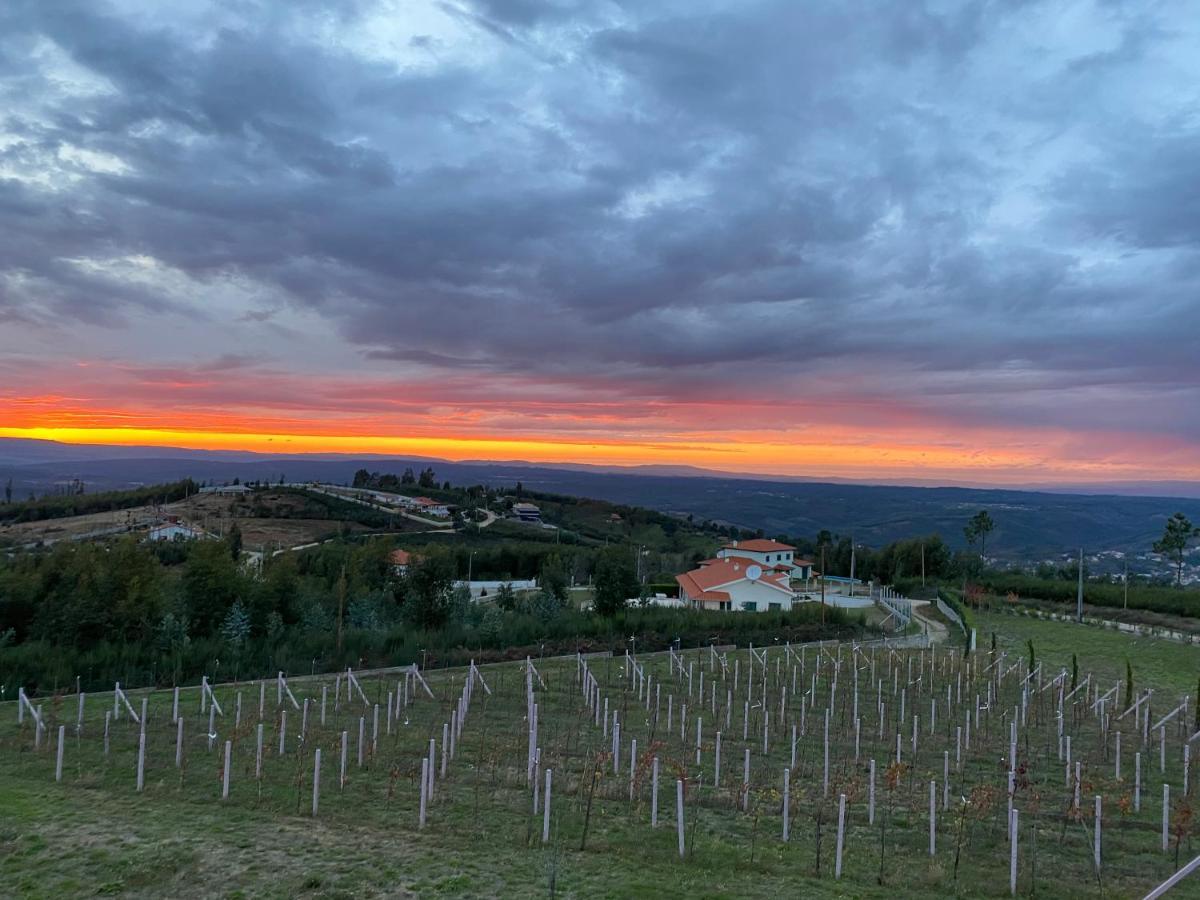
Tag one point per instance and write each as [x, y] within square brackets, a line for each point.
[758, 545]
[726, 571]
[400, 557]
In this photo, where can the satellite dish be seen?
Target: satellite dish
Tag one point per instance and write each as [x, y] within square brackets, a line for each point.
[753, 573]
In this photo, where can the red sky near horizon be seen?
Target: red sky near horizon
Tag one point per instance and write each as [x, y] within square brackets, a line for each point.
[754, 237]
[245, 409]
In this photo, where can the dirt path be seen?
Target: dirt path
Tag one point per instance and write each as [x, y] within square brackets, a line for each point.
[937, 631]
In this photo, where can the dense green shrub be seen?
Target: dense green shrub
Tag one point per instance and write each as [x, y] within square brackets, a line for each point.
[1156, 598]
[484, 634]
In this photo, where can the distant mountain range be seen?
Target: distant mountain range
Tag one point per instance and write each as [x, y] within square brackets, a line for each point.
[1029, 523]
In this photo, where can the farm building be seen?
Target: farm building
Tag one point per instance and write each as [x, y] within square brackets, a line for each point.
[430, 507]
[400, 560]
[527, 512]
[175, 530]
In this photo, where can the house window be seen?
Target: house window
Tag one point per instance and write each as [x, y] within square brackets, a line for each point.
[725, 604]
[749, 606]
[774, 607]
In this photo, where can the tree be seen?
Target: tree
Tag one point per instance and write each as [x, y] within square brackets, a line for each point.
[615, 581]
[1128, 684]
[234, 538]
[1173, 544]
[210, 584]
[235, 627]
[362, 478]
[427, 478]
[427, 589]
[408, 477]
[341, 608]
[506, 597]
[977, 529]
[553, 577]
[8, 491]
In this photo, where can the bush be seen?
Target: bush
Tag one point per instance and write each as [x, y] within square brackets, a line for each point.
[41, 666]
[1156, 598]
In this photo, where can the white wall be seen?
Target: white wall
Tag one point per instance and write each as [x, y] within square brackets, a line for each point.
[757, 593]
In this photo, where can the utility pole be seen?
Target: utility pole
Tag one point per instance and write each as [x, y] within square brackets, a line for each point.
[852, 565]
[822, 584]
[1079, 593]
[1126, 604]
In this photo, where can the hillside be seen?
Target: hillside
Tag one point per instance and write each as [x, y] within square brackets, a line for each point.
[1030, 524]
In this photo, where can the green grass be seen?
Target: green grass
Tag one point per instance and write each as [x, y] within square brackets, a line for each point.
[94, 835]
[1170, 666]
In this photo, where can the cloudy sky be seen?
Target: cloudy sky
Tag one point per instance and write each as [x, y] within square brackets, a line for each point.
[950, 240]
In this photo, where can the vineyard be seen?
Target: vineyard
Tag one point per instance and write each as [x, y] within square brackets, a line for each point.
[844, 769]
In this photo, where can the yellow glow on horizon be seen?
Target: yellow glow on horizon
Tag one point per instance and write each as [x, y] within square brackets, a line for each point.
[754, 453]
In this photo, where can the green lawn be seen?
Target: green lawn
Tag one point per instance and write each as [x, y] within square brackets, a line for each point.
[94, 834]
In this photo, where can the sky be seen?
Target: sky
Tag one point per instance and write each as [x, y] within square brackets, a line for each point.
[954, 241]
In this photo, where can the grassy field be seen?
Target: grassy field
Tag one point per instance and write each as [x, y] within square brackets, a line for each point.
[93, 833]
[1169, 666]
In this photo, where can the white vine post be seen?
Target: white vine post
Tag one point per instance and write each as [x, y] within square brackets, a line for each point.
[282, 688]
[654, 794]
[206, 694]
[679, 813]
[841, 831]
[1012, 853]
[871, 795]
[786, 803]
[316, 792]
[424, 788]
[118, 698]
[932, 818]
[62, 730]
[1166, 817]
[225, 770]
[546, 809]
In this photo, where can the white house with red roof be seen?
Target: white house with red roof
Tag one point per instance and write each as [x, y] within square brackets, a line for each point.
[735, 583]
[771, 555]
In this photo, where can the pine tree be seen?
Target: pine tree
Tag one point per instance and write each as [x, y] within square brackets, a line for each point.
[236, 626]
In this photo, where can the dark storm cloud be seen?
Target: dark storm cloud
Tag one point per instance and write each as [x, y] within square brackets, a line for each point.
[736, 193]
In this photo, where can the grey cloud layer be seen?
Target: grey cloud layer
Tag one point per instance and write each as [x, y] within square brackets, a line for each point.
[942, 198]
